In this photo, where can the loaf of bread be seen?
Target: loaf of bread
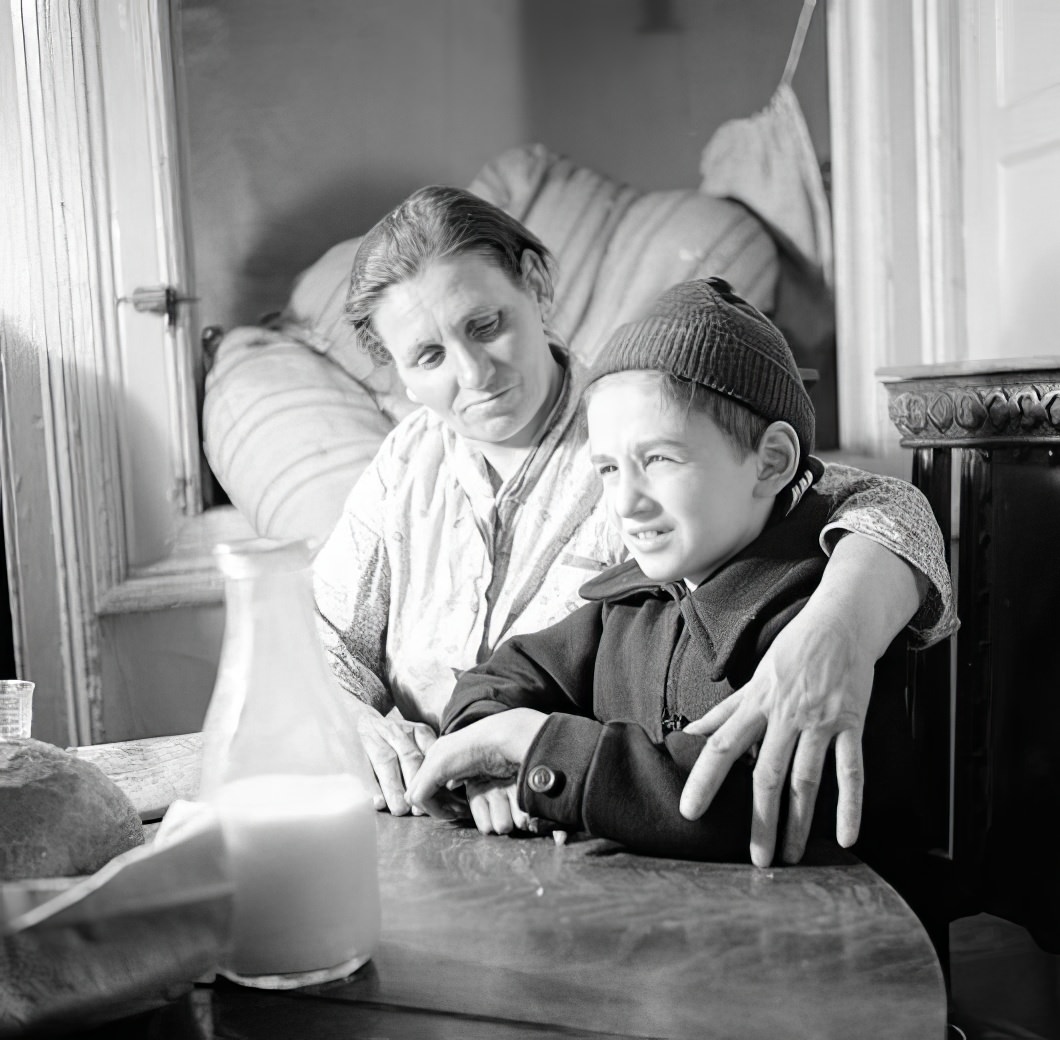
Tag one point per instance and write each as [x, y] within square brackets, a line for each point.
[59, 816]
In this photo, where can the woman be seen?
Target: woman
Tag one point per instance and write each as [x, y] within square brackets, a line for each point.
[481, 517]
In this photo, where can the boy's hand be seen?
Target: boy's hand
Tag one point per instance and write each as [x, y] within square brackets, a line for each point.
[493, 748]
[495, 810]
[495, 806]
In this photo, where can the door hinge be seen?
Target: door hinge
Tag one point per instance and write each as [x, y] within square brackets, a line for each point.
[158, 299]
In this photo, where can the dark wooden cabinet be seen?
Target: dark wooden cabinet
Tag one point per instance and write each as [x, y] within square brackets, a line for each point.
[987, 711]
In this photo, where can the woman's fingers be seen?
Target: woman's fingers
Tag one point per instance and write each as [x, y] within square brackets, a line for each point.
[732, 739]
[850, 774]
[716, 717]
[423, 735]
[807, 769]
[394, 756]
[768, 780]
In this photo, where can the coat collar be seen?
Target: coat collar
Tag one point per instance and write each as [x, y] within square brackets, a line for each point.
[729, 611]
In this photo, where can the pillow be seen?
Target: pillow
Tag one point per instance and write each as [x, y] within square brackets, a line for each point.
[618, 247]
[287, 432]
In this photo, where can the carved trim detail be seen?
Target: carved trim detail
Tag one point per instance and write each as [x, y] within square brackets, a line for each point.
[946, 413]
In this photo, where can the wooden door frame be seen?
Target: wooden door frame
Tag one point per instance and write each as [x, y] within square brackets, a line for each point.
[65, 494]
[894, 96]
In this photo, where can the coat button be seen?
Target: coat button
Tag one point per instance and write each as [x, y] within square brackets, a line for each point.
[541, 779]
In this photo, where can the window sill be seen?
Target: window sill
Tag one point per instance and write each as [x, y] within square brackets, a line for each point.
[188, 576]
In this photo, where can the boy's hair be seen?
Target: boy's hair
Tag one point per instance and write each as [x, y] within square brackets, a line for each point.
[702, 333]
[742, 427]
[433, 223]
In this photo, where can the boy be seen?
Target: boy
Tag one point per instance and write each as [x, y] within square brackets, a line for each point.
[701, 431]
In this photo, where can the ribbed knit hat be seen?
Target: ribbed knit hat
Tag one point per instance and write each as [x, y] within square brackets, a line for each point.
[703, 332]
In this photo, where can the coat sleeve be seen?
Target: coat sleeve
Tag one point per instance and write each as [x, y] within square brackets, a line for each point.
[611, 780]
[551, 670]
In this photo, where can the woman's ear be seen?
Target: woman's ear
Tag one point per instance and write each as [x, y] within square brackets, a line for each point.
[537, 279]
[778, 459]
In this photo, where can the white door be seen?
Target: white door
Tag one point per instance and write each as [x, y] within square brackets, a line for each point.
[1010, 61]
[101, 458]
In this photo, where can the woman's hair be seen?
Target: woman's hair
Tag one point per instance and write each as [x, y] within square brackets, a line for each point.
[432, 224]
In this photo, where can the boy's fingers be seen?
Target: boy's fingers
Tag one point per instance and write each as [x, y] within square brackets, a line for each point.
[480, 812]
[500, 810]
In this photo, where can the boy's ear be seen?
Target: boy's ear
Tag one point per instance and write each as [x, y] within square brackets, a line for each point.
[778, 459]
[536, 278]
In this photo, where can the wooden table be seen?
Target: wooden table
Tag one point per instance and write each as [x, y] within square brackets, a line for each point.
[505, 937]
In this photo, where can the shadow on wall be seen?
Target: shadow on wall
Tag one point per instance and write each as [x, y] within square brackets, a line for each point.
[290, 241]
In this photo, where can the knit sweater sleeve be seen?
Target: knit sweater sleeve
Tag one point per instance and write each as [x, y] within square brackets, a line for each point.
[611, 780]
[896, 515]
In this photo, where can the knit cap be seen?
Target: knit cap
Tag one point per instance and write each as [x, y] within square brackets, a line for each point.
[701, 331]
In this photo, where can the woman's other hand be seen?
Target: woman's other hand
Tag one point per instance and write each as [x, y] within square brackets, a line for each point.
[395, 749]
[811, 687]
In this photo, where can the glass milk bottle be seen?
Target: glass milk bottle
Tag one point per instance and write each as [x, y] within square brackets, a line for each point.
[286, 774]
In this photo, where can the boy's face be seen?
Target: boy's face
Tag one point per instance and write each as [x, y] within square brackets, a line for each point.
[676, 488]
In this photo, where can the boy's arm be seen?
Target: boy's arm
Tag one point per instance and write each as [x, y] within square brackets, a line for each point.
[550, 670]
[609, 779]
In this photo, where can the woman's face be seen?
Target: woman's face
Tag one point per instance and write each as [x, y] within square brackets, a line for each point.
[469, 343]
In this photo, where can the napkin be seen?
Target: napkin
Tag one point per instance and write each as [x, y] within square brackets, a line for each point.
[138, 933]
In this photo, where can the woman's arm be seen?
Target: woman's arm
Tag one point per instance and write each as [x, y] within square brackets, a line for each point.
[351, 585]
[813, 684]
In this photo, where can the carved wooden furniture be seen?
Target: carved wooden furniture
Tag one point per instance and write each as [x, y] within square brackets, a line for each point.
[1001, 420]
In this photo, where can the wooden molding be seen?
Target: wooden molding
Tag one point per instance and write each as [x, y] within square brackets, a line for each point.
[976, 405]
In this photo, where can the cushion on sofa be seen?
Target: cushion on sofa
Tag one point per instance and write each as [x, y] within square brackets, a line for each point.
[293, 414]
[287, 432]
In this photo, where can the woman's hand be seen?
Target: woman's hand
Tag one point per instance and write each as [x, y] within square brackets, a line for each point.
[811, 687]
[491, 749]
[395, 749]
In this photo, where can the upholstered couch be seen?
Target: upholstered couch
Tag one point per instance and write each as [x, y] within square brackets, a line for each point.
[293, 412]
